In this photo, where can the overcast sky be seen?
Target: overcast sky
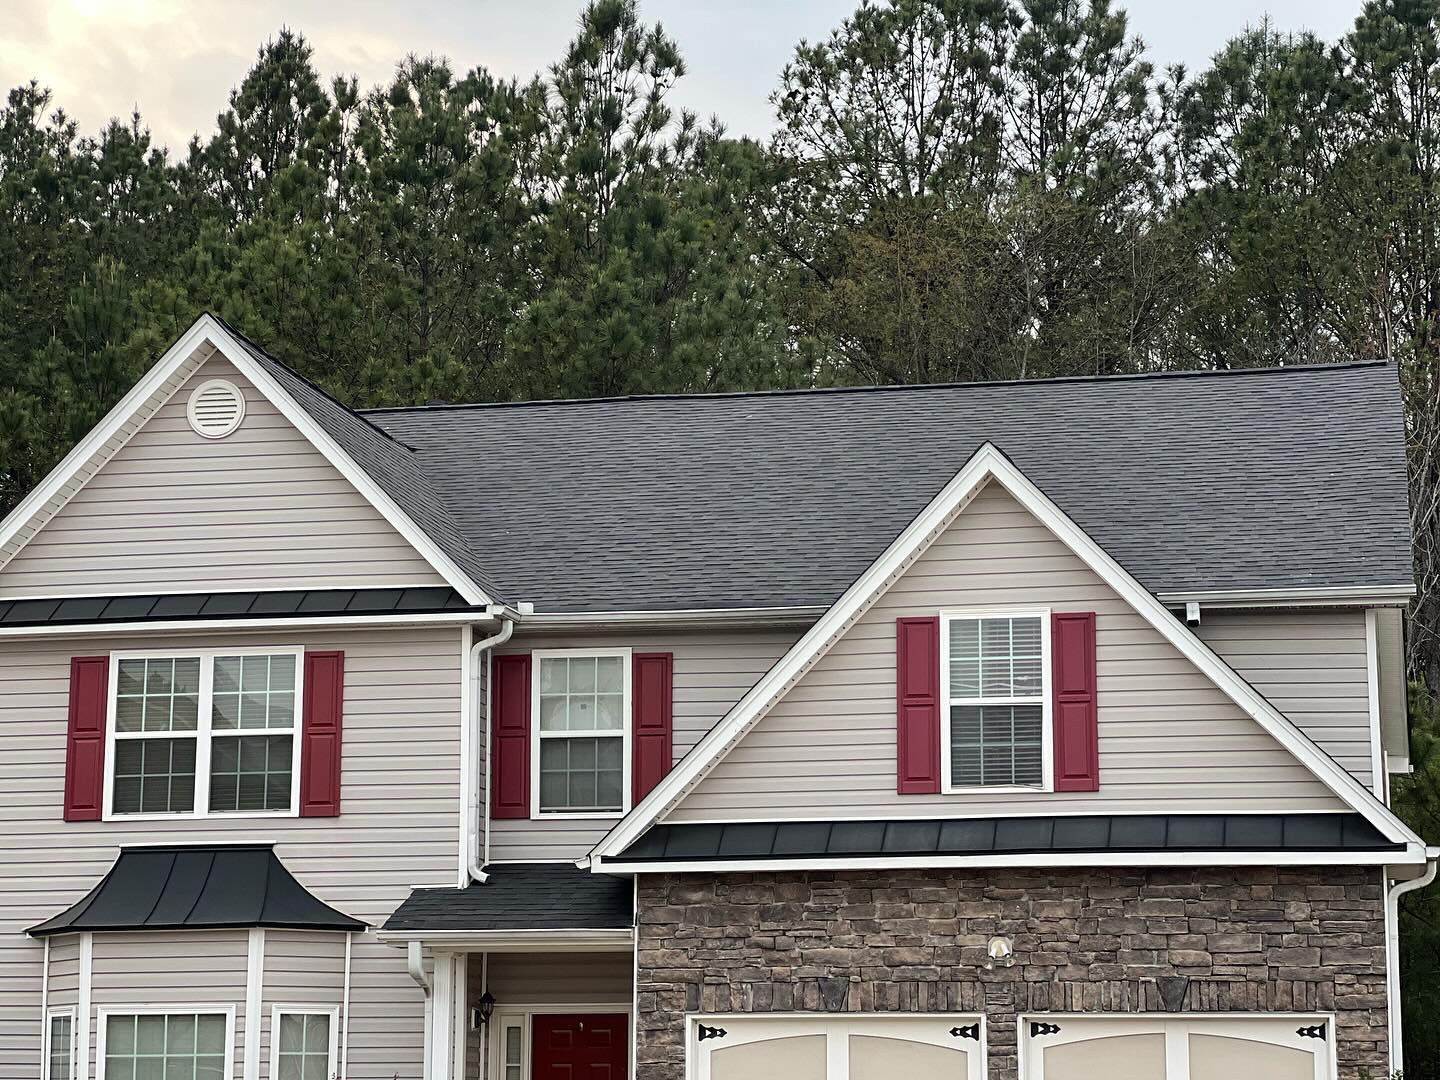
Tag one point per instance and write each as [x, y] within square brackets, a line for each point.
[176, 59]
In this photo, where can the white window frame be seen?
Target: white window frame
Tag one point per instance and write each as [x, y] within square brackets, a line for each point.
[1047, 738]
[523, 1017]
[102, 1021]
[202, 733]
[626, 724]
[332, 1068]
[51, 1015]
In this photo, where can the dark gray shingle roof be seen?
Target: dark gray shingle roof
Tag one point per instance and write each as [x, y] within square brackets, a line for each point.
[522, 896]
[1265, 479]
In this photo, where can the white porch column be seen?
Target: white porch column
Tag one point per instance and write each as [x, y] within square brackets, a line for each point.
[445, 1052]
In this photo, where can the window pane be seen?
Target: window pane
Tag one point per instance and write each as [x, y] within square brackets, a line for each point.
[180, 1046]
[254, 692]
[996, 745]
[581, 774]
[250, 772]
[60, 1058]
[154, 776]
[157, 694]
[610, 674]
[304, 1052]
[998, 657]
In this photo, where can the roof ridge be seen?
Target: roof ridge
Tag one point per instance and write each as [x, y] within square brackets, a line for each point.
[801, 391]
[312, 384]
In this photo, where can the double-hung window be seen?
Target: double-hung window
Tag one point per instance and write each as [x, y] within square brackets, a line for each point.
[581, 755]
[205, 732]
[157, 1045]
[994, 688]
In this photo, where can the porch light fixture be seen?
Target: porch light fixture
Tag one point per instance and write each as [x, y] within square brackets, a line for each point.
[486, 1009]
[1002, 952]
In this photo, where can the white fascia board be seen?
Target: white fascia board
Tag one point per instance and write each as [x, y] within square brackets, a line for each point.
[678, 618]
[987, 464]
[620, 940]
[1320, 596]
[189, 626]
[234, 352]
[1413, 855]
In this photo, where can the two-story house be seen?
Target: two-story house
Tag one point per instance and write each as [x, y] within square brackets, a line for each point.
[1033, 730]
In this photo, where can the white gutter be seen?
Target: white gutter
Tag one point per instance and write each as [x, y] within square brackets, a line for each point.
[1316, 596]
[529, 941]
[477, 850]
[681, 617]
[1392, 957]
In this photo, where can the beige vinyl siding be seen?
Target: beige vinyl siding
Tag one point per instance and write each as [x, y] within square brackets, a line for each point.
[64, 988]
[191, 971]
[1311, 664]
[304, 969]
[553, 980]
[1394, 709]
[173, 512]
[712, 671]
[399, 825]
[1169, 740]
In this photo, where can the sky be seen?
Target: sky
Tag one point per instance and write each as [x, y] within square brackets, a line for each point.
[176, 60]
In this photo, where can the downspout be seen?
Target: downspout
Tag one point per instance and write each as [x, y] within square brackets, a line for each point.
[478, 852]
[1392, 955]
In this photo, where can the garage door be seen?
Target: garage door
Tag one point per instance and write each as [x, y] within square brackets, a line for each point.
[1189, 1048]
[930, 1047]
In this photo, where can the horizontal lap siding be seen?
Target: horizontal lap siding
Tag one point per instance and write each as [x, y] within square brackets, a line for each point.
[712, 671]
[1311, 665]
[1169, 741]
[303, 969]
[181, 969]
[399, 825]
[173, 512]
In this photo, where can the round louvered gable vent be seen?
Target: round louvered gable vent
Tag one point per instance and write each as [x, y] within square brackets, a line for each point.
[216, 408]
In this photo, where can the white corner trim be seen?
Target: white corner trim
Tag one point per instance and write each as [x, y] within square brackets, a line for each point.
[82, 1006]
[254, 985]
[1378, 775]
[988, 463]
[206, 330]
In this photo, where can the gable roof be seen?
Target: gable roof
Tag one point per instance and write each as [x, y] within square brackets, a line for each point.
[782, 499]
[382, 469]
[987, 465]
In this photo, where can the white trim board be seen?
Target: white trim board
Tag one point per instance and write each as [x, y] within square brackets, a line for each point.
[206, 330]
[987, 465]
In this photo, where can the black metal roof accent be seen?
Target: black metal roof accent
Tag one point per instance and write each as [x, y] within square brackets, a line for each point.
[1119, 833]
[522, 896]
[84, 610]
[197, 887]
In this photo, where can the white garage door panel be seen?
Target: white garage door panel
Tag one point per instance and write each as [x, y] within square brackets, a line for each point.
[809, 1047]
[793, 1057]
[1113, 1057]
[1276, 1047]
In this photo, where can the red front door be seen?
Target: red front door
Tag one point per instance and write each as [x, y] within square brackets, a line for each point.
[576, 1047]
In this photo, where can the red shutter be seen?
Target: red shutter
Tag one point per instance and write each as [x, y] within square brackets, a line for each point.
[652, 679]
[1076, 718]
[85, 739]
[510, 736]
[324, 700]
[917, 683]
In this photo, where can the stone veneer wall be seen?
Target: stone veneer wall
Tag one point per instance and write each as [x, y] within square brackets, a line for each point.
[1108, 941]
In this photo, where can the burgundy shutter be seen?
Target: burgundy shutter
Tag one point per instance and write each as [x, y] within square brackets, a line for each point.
[1076, 718]
[85, 738]
[324, 701]
[917, 731]
[510, 736]
[651, 683]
